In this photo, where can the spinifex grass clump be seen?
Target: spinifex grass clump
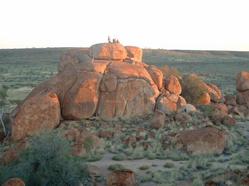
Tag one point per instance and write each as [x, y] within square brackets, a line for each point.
[167, 72]
[47, 161]
[193, 88]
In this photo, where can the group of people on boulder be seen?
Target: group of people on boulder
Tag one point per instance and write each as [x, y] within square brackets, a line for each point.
[112, 40]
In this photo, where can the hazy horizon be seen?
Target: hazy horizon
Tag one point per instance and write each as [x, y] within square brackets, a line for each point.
[162, 24]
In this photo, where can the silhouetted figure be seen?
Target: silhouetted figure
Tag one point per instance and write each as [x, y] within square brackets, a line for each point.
[109, 39]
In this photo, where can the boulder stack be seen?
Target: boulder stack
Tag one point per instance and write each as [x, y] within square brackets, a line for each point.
[109, 81]
[242, 85]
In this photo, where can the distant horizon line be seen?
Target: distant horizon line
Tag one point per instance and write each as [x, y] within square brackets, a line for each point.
[146, 48]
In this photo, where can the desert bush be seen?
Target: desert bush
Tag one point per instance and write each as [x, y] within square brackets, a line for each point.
[3, 92]
[144, 167]
[116, 167]
[197, 182]
[119, 157]
[199, 163]
[193, 88]
[208, 110]
[167, 71]
[47, 161]
[169, 165]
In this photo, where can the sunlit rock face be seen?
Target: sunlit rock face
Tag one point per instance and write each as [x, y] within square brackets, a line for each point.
[108, 81]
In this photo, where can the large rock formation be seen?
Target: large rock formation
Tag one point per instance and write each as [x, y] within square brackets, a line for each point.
[108, 81]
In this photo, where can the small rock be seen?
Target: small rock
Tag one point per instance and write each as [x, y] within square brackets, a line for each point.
[205, 99]
[230, 100]
[242, 81]
[229, 121]
[188, 108]
[121, 178]
[158, 120]
[14, 182]
[105, 134]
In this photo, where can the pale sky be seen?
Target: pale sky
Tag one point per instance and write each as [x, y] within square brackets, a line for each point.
[169, 24]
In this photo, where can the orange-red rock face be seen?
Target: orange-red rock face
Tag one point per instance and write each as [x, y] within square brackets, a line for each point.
[40, 112]
[104, 86]
[242, 81]
[108, 51]
[134, 53]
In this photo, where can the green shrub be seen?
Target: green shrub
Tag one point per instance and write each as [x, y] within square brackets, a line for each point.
[47, 161]
[197, 182]
[119, 157]
[116, 167]
[169, 165]
[193, 88]
[208, 110]
[167, 71]
[144, 167]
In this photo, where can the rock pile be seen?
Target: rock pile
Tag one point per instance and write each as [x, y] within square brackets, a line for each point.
[110, 81]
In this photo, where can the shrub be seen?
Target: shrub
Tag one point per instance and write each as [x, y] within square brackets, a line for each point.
[47, 161]
[167, 71]
[119, 157]
[169, 165]
[193, 88]
[197, 182]
[116, 167]
[208, 110]
[144, 167]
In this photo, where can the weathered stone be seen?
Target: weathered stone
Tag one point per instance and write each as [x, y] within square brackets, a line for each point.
[82, 99]
[109, 83]
[208, 140]
[132, 97]
[229, 121]
[188, 108]
[12, 153]
[242, 81]
[214, 92]
[204, 99]
[75, 57]
[166, 105]
[181, 102]
[156, 75]
[106, 134]
[243, 98]
[108, 51]
[40, 112]
[134, 53]
[121, 178]
[173, 85]
[230, 100]
[14, 182]
[158, 120]
[100, 65]
[129, 71]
